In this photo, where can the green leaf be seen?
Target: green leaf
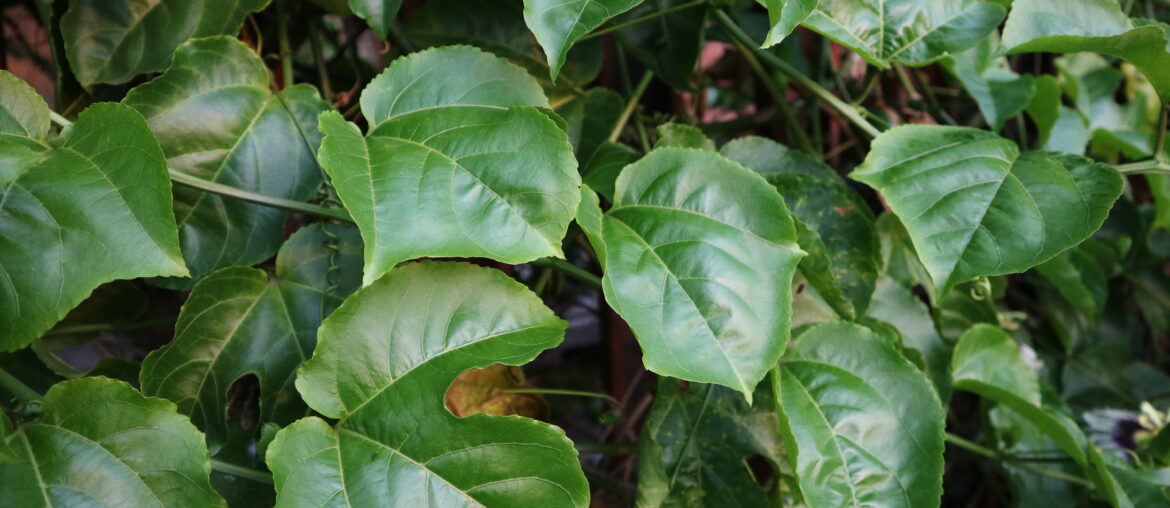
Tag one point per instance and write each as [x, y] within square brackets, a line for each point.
[111, 41]
[216, 118]
[383, 363]
[834, 225]
[558, 24]
[1080, 279]
[785, 16]
[999, 92]
[238, 322]
[379, 14]
[96, 207]
[683, 136]
[602, 171]
[969, 304]
[910, 32]
[695, 443]
[700, 254]
[591, 118]
[453, 151]
[896, 305]
[1060, 128]
[1099, 26]
[862, 425]
[669, 44]
[23, 112]
[974, 205]
[99, 442]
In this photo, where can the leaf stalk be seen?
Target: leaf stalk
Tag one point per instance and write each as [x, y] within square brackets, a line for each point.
[642, 19]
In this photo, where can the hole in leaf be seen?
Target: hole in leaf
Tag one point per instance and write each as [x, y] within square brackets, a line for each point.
[489, 390]
[244, 401]
[760, 469]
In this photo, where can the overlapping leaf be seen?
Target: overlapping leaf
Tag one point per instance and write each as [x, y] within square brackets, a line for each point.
[384, 361]
[379, 14]
[1099, 26]
[999, 92]
[896, 305]
[238, 322]
[698, 254]
[974, 205]
[911, 32]
[558, 24]
[93, 207]
[833, 224]
[668, 43]
[695, 443]
[216, 118]
[101, 443]
[456, 147]
[111, 41]
[862, 425]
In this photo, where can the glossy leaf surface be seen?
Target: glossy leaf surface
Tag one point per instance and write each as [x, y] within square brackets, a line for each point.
[699, 255]
[93, 208]
[558, 24]
[216, 118]
[862, 424]
[101, 443]
[237, 322]
[383, 363]
[448, 159]
[111, 41]
[974, 205]
[785, 16]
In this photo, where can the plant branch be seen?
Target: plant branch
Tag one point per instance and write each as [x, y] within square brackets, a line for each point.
[1146, 167]
[286, 64]
[1017, 463]
[554, 391]
[110, 327]
[246, 473]
[641, 19]
[569, 269]
[195, 182]
[1160, 144]
[319, 61]
[780, 98]
[635, 96]
[846, 110]
[58, 119]
[17, 387]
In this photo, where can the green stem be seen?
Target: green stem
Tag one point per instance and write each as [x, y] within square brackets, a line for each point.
[992, 454]
[569, 269]
[1160, 144]
[849, 112]
[606, 448]
[641, 19]
[260, 199]
[110, 327]
[554, 391]
[635, 96]
[780, 98]
[319, 60]
[1151, 166]
[58, 119]
[246, 473]
[18, 388]
[286, 64]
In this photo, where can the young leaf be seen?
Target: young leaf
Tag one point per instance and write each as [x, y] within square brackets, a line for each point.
[384, 360]
[95, 207]
[558, 24]
[910, 32]
[785, 16]
[999, 92]
[100, 442]
[833, 224]
[379, 14]
[238, 322]
[111, 41]
[700, 254]
[683, 136]
[216, 118]
[862, 425]
[974, 205]
[695, 443]
[454, 149]
[1059, 26]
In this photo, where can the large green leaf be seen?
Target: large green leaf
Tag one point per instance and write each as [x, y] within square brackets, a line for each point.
[699, 258]
[558, 24]
[974, 205]
[216, 118]
[910, 32]
[834, 225]
[238, 322]
[383, 363]
[22, 112]
[999, 92]
[454, 150]
[862, 425]
[695, 444]
[1059, 26]
[379, 14]
[101, 443]
[94, 207]
[111, 41]
[988, 362]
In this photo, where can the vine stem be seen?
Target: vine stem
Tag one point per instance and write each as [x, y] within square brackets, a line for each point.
[286, 64]
[849, 112]
[554, 391]
[641, 19]
[778, 96]
[241, 471]
[18, 388]
[635, 96]
[195, 182]
[1018, 463]
[569, 269]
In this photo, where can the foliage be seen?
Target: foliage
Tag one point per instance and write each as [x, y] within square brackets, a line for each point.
[387, 252]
